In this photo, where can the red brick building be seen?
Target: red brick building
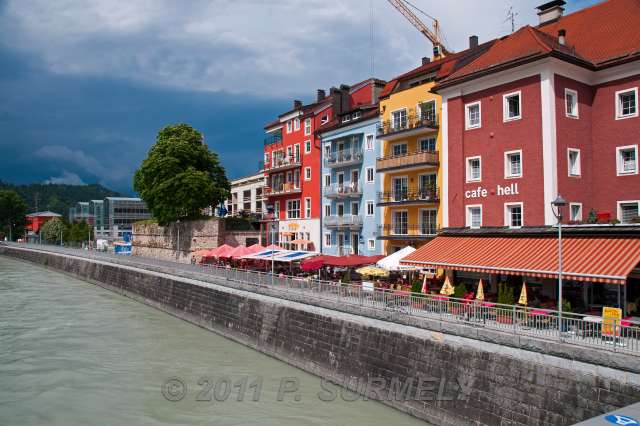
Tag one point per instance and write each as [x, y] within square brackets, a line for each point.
[547, 110]
[292, 164]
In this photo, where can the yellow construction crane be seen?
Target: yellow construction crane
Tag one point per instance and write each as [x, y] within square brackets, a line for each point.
[439, 49]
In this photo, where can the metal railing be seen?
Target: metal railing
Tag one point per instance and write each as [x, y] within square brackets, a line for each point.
[409, 159]
[426, 195]
[343, 157]
[416, 308]
[412, 121]
[284, 188]
[407, 231]
[283, 163]
[337, 190]
[346, 221]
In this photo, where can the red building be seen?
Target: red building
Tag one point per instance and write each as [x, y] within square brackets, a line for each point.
[292, 164]
[36, 220]
[547, 110]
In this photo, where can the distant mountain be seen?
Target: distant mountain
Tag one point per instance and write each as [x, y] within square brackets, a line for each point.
[56, 197]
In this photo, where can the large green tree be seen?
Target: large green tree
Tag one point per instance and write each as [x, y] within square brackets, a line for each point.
[52, 230]
[12, 213]
[180, 175]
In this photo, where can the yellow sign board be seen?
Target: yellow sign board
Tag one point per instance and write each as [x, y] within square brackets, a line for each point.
[611, 318]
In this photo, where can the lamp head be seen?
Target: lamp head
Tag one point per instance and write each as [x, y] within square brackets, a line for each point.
[559, 202]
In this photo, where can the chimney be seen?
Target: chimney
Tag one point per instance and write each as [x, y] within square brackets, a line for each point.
[550, 11]
[425, 60]
[336, 99]
[321, 95]
[562, 34]
[473, 42]
[297, 104]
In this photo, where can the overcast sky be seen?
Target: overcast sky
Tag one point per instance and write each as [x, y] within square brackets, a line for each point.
[85, 85]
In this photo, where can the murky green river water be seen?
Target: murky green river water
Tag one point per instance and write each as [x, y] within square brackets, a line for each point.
[72, 353]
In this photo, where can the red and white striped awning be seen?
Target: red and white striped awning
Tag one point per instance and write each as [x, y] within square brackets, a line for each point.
[599, 259]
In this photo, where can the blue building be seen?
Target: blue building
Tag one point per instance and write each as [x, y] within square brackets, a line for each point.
[349, 216]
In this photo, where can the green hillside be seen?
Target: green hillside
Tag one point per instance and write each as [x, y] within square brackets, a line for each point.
[58, 198]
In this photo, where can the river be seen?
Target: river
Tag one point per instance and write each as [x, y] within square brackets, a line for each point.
[72, 353]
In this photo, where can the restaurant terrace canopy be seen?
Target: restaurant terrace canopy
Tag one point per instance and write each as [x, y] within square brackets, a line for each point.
[281, 255]
[606, 259]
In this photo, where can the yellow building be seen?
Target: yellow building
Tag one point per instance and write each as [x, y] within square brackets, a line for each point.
[410, 135]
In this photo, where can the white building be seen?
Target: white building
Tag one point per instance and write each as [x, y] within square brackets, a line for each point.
[246, 195]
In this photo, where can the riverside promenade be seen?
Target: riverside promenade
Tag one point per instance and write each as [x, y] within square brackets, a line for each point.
[469, 374]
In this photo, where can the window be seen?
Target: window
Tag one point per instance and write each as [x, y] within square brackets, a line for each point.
[428, 144]
[513, 164]
[293, 209]
[474, 172]
[369, 174]
[627, 103]
[472, 116]
[346, 118]
[289, 126]
[324, 119]
[327, 210]
[399, 222]
[307, 126]
[427, 110]
[327, 151]
[296, 124]
[368, 142]
[327, 180]
[355, 208]
[399, 119]
[276, 208]
[474, 216]
[296, 179]
[307, 207]
[627, 160]
[511, 106]
[573, 161]
[513, 215]
[356, 115]
[628, 211]
[571, 103]
[575, 212]
[307, 147]
[399, 149]
[428, 221]
[327, 240]
[370, 208]
[307, 173]
[371, 244]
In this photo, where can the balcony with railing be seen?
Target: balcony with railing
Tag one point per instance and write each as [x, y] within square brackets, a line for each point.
[418, 195]
[389, 128]
[337, 190]
[404, 231]
[406, 160]
[281, 189]
[343, 222]
[283, 163]
[345, 157]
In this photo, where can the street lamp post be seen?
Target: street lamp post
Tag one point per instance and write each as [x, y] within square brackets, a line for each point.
[558, 203]
[178, 240]
[10, 236]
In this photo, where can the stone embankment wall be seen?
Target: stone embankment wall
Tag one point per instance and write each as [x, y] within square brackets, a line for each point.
[441, 378]
[161, 242]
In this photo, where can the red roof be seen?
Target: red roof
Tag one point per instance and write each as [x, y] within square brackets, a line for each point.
[600, 259]
[595, 36]
[344, 261]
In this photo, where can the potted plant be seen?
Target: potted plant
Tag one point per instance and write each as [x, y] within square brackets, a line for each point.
[505, 297]
[418, 299]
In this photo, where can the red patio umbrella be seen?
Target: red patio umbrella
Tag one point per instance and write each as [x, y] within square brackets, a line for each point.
[312, 264]
[220, 251]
